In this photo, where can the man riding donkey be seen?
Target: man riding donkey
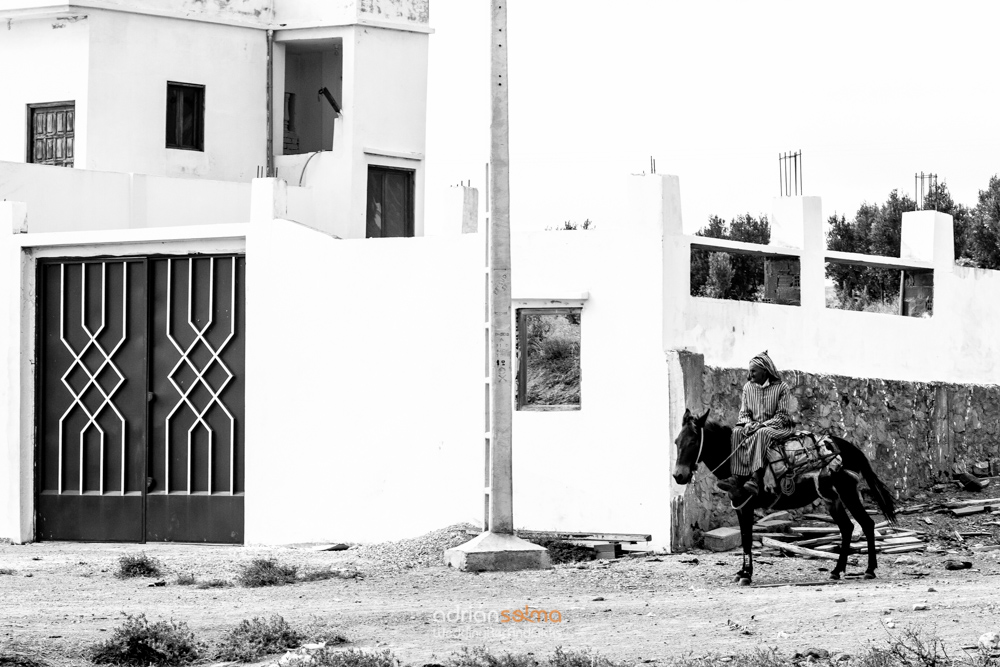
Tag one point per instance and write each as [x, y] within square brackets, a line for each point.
[764, 418]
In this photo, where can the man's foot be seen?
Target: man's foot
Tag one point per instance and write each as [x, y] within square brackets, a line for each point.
[744, 492]
[732, 484]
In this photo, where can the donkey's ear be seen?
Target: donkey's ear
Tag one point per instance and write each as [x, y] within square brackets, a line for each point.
[687, 416]
[700, 421]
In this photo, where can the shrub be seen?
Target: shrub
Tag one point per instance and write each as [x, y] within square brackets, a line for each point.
[581, 659]
[566, 552]
[266, 572]
[137, 565]
[138, 643]
[353, 658]
[480, 657]
[6, 570]
[8, 660]
[186, 579]
[213, 583]
[256, 637]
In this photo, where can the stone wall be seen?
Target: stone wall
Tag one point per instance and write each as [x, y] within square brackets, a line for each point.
[915, 433]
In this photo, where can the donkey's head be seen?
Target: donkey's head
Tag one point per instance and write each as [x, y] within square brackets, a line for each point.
[690, 442]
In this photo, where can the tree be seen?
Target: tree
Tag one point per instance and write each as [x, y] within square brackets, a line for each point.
[720, 275]
[985, 233]
[747, 272]
[940, 199]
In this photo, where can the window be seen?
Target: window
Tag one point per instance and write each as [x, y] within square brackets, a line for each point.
[51, 130]
[185, 116]
[390, 202]
[548, 344]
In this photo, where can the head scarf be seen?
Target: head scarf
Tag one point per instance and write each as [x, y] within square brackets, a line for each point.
[763, 361]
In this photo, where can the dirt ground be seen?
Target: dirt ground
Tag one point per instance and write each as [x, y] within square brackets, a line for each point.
[62, 597]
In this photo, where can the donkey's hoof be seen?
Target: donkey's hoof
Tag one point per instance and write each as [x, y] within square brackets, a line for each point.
[869, 575]
[835, 575]
[745, 581]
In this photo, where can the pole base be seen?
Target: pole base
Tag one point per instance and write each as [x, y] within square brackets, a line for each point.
[497, 552]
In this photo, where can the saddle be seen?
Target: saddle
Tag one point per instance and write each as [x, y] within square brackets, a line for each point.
[802, 454]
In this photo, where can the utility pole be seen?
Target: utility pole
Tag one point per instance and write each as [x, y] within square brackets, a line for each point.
[501, 488]
[498, 548]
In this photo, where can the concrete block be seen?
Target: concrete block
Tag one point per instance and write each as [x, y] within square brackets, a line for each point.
[497, 552]
[722, 539]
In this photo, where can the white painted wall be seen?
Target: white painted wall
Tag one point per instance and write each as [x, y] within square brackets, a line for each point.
[395, 385]
[243, 12]
[302, 13]
[133, 56]
[605, 467]
[817, 339]
[364, 385]
[96, 200]
[52, 57]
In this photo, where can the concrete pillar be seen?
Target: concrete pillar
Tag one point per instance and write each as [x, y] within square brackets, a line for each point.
[797, 222]
[928, 236]
[16, 459]
[655, 203]
[470, 210]
[15, 214]
[268, 199]
[685, 387]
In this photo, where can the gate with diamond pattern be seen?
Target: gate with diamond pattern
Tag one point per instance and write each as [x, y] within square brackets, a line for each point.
[141, 399]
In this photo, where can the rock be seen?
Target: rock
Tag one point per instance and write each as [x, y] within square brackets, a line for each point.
[957, 565]
[841, 600]
[989, 641]
[598, 600]
[905, 560]
[921, 606]
[157, 584]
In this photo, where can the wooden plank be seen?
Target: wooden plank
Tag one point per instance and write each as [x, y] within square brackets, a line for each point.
[797, 550]
[631, 538]
[783, 514]
[976, 501]
[968, 510]
[819, 517]
[905, 549]
[815, 530]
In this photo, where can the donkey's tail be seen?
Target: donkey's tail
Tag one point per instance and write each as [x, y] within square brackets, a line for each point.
[883, 497]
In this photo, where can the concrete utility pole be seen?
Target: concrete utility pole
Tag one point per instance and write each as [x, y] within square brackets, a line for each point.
[498, 548]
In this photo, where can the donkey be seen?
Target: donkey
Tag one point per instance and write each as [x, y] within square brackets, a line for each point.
[702, 441]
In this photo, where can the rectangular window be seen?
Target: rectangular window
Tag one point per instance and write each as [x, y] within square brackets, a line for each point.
[51, 131]
[548, 348]
[390, 202]
[185, 116]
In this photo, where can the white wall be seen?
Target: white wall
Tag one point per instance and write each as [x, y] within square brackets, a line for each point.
[133, 56]
[384, 380]
[605, 467]
[44, 60]
[364, 385]
[95, 200]
[957, 344]
[247, 12]
[299, 13]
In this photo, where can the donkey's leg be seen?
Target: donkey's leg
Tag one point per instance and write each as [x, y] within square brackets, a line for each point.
[843, 521]
[847, 487]
[745, 576]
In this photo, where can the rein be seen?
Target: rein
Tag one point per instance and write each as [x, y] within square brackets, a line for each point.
[701, 446]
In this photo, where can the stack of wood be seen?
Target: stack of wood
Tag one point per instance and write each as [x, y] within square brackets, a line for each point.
[817, 536]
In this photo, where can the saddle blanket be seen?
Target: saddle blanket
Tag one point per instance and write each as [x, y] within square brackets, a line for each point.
[801, 454]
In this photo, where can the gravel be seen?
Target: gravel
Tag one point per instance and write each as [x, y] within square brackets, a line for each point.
[427, 549]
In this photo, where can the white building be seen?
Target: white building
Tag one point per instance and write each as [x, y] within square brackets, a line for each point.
[196, 354]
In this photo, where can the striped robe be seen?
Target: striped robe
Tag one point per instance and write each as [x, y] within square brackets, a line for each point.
[768, 406]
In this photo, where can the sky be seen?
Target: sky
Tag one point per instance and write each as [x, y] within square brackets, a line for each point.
[870, 92]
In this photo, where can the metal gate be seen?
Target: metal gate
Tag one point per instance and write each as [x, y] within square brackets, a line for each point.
[141, 399]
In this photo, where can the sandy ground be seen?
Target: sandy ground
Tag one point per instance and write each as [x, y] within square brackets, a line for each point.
[63, 597]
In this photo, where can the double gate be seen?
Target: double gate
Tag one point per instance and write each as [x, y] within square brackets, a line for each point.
[141, 399]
